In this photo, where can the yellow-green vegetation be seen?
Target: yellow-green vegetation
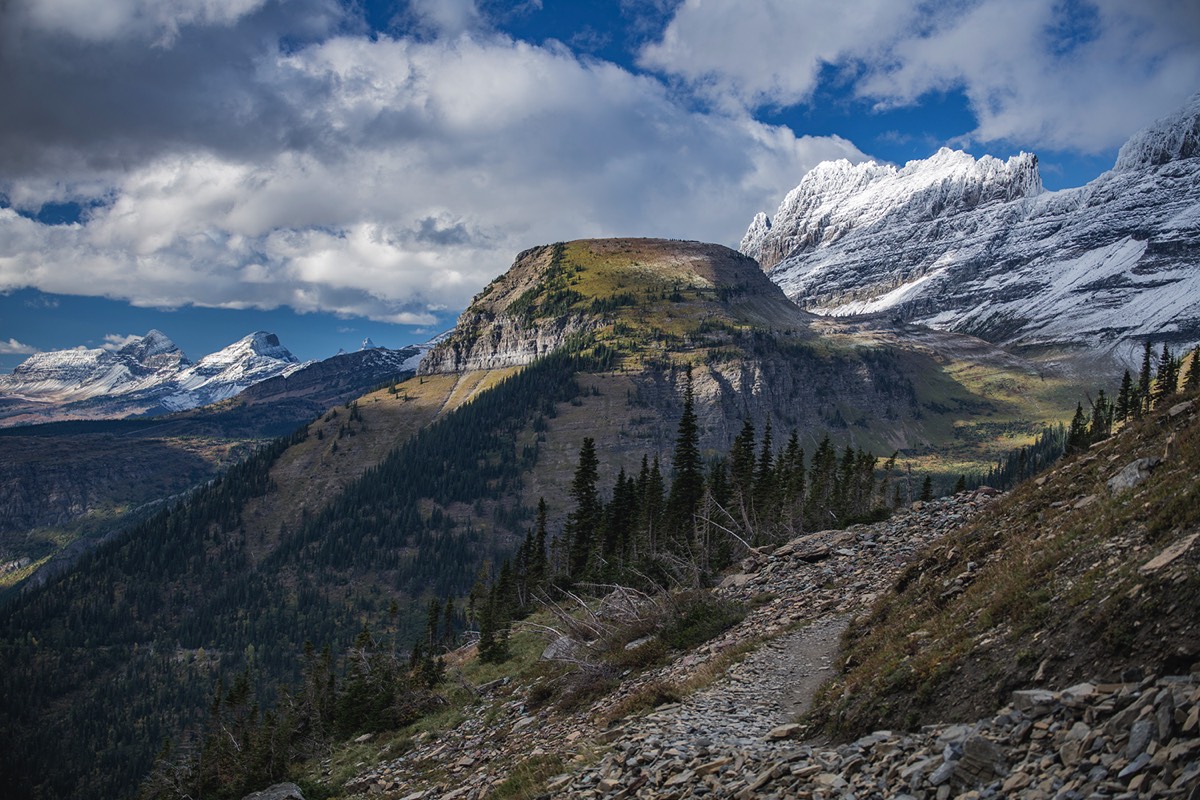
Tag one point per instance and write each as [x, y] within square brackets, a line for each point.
[1056, 579]
[340, 449]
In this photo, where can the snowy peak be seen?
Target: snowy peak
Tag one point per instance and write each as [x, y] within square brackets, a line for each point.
[367, 344]
[146, 375]
[155, 351]
[231, 370]
[977, 246]
[1172, 138]
[837, 196]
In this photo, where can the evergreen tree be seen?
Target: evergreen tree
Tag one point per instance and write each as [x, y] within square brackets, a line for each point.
[927, 489]
[821, 480]
[1125, 398]
[791, 478]
[1193, 376]
[1167, 383]
[764, 477]
[1077, 435]
[687, 484]
[584, 520]
[741, 471]
[538, 572]
[448, 624]
[1144, 378]
[1102, 419]
[960, 485]
[432, 618]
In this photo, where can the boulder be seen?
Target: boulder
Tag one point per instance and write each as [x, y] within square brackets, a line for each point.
[280, 791]
[1134, 474]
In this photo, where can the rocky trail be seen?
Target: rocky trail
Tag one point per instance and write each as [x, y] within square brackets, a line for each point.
[735, 736]
[802, 595]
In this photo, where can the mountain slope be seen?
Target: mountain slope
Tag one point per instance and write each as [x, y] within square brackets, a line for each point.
[150, 375]
[1087, 573]
[978, 247]
[64, 486]
[400, 496]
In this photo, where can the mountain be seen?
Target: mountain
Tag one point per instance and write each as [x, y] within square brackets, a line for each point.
[147, 376]
[401, 495]
[979, 247]
[66, 486]
[66, 376]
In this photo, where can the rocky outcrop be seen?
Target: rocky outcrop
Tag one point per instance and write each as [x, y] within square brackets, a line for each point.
[978, 247]
[1135, 739]
[486, 341]
[503, 327]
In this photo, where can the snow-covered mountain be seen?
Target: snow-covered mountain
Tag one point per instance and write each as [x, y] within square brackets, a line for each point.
[147, 375]
[979, 247]
[231, 370]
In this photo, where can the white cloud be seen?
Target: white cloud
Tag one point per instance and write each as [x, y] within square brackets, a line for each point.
[14, 348]
[446, 17]
[101, 20]
[411, 174]
[115, 341]
[770, 52]
[1078, 75]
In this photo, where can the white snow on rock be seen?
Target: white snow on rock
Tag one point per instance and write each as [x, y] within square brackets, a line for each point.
[148, 372]
[977, 246]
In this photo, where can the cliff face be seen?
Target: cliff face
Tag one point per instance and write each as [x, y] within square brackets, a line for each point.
[554, 292]
[497, 331]
[976, 246]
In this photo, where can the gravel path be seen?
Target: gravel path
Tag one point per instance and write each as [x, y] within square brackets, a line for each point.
[771, 687]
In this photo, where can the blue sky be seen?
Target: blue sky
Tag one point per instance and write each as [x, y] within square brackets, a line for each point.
[330, 170]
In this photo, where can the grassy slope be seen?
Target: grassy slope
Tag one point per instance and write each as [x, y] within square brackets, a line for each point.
[312, 473]
[1058, 591]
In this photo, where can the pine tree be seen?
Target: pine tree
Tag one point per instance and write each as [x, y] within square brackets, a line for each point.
[791, 478]
[1077, 437]
[1125, 398]
[448, 625]
[1193, 377]
[1102, 419]
[821, 479]
[1144, 378]
[687, 484]
[537, 561]
[433, 617]
[1167, 382]
[960, 485]
[584, 520]
[927, 489]
[741, 470]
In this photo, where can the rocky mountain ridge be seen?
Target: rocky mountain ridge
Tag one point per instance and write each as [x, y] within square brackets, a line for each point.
[977, 246]
[149, 375]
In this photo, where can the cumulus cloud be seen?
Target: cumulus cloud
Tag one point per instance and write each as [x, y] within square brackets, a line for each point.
[384, 177]
[115, 341]
[102, 20]
[14, 348]
[1077, 75]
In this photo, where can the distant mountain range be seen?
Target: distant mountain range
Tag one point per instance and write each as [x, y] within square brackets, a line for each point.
[979, 247]
[152, 376]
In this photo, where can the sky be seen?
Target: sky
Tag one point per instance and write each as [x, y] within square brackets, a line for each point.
[335, 169]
